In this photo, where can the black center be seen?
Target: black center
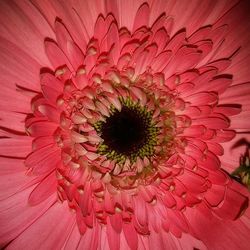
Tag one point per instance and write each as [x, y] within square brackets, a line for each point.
[125, 131]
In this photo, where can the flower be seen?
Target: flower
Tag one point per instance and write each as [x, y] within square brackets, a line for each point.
[119, 123]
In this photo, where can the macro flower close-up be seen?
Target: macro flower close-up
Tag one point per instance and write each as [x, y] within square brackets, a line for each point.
[124, 124]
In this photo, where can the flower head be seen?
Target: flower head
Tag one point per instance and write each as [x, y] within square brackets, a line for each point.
[129, 128]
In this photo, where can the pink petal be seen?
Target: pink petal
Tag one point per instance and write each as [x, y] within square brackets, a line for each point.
[130, 235]
[33, 25]
[202, 221]
[16, 215]
[194, 131]
[226, 210]
[240, 121]
[73, 241]
[42, 128]
[177, 218]
[75, 55]
[62, 35]
[210, 162]
[109, 203]
[219, 84]
[140, 211]
[116, 222]
[161, 38]
[60, 220]
[236, 94]
[221, 64]
[50, 94]
[56, 56]
[43, 160]
[52, 113]
[19, 177]
[177, 41]
[13, 55]
[218, 177]
[85, 199]
[182, 61]
[212, 122]
[215, 195]
[11, 165]
[51, 81]
[100, 29]
[193, 182]
[228, 110]
[200, 34]
[113, 237]
[41, 142]
[68, 46]
[215, 148]
[224, 135]
[160, 62]
[202, 98]
[19, 147]
[113, 43]
[43, 190]
[142, 17]
[169, 200]
[82, 227]
[16, 118]
[19, 102]
[156, 241]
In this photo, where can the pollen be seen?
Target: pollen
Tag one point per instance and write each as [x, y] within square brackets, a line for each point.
[127, 134]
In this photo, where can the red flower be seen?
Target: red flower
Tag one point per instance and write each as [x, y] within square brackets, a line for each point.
[126, 139]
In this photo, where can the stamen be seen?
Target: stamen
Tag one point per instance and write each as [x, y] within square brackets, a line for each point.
[127, 133]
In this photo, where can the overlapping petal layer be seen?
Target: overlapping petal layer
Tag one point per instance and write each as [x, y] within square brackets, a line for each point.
[180, 74]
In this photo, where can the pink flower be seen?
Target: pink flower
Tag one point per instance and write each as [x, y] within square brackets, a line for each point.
[120, 121]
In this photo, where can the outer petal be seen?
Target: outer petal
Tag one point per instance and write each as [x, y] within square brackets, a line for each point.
[16, 215]
[54, 236]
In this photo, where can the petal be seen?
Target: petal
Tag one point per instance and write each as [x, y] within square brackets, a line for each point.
[142, 17]
[43, 190]
[68, 46]
[215, 195]
[16, 215]
[116, 222]
[226, 210]
[19, 147]
[43, 160]
[130, 235]
[56, 56]
[113, 237]
[73, 241]
[42, 128]
[140, 211]
[17, 119]
[61, 222]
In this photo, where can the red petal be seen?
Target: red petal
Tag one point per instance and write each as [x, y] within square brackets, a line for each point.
[116, 222]
[131, 235]
[229, 211]
[215, 195]
[56, 56]
[43, 190]
[113, 237]
[19, 147]
[142, 17]
[60, 220]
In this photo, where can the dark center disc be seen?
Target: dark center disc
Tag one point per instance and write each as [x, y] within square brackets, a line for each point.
[125, 131]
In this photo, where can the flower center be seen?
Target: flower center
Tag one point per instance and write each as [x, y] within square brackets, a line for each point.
[128, 133]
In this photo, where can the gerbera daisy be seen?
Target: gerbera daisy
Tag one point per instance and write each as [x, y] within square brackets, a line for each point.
[121, 122]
